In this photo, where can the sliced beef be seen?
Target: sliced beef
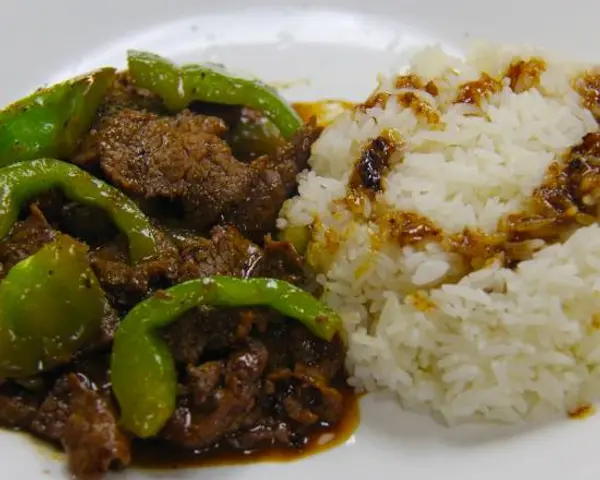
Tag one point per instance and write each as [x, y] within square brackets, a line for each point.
[211, 332]
[203, 381]
[89, 224]
[25, 239]
[91, 437]
[232, 403]
[184, 159]
[227, 252]
[176, 158]
[274, 180]
[317, 357]
[266, 433]
[301, 371]
[75, 413]
[18, 407]
[127, 284]
[123, 94]
[54, 411]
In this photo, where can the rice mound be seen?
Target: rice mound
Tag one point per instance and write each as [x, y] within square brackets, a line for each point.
[494, 343]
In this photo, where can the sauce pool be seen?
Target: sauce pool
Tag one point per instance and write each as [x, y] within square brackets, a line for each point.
[324, 110]
[157, 455]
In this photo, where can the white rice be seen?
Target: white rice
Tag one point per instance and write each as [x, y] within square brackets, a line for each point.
[497, 344]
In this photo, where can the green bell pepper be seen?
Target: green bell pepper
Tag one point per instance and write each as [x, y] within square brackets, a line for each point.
[51, 305]
[143, 372]
[24, 180]
[180, 86]
[51, 121]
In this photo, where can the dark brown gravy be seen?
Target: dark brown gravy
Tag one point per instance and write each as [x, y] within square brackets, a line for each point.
[159, 455]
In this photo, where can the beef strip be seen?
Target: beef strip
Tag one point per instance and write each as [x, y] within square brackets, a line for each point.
[300, 373]
[123, 94]
[227, 252]
[266, 433]
[127, 284]
[274, 180]
[184, 159]
[18, 407]
[211, 332]
[75, 412]
[203, 381]
[25, 239]
[296, 394]
[233, 402]
[54, 411]
[91, 437]
[176, 158]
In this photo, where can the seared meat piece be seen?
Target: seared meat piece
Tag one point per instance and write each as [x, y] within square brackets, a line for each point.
[89, 224]
[25, 239]
[226, 253]
[183, 158]
[274, 180]
[75, 413]
[91, 437]
[282, 261]
[54, 411]
[266, 433]
[203, 381]
[232, 403]
[18, 407]
[301, 369]
[176, 158]
[123, 95]
[317, 357]
[207, 331]
[127, 284]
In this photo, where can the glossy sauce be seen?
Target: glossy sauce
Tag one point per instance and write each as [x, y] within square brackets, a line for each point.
[324, 110]
[474, 92]
[372, 164]
[588, 87]
[159, 455]
[525, 74]
[583, 411]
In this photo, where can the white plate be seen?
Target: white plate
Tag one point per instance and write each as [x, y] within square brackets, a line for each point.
[325, 49]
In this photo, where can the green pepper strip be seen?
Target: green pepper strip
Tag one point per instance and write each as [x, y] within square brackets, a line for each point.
[51, 121]
[143, 373]
[51, 305]
[22, 181]
[180, 86]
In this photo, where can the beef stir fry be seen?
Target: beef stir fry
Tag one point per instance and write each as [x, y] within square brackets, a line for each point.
[142, 295]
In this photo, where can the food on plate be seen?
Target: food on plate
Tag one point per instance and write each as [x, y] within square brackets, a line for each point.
[144, 304]
[180, 86]
[452, 221]
[142, 373]
[51, 121]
